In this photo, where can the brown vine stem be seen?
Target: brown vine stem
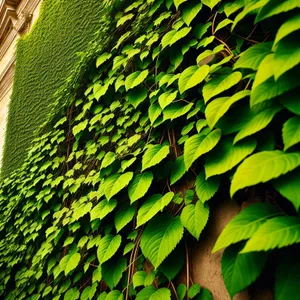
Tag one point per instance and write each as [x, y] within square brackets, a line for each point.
[213, 24]
[173, 287]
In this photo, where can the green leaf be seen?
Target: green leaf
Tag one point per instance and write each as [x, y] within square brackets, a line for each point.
[114, 295]
[291, 25]
[218, 107]
[290, 102]
[194, 218]
[198, 145]
[139, 186]
[287, 277]
[102, 209]
[181, 291]
[124, 19]
[234, 264]
[177, 170]
[97, 275]
[245, 224]
[151, 293]
[166, 98]
[174, 36]
[154, 155]
[154, 112]
[205, 294]
[103, 58]
[139, 278]
[257, 123]
[72, 294]
[135, 79]
[288, 186]
[80, 127]
[194, 290]
[206, 188]
[201, 124]
[191, 77]
[220, 84]
[262, 167]
[276, 7]
[291, 132]
[107, 247]
[152, 206]
[123, 216]
[160, 237]
[115, 183]
[108, 159]
[226, 156]
[287, 56]
[69, 262]
[112, 271]
[176, 110]
[223, 24]
[278, 232]
[178, 2]
[190, 11]
[252, 57]
[137, 96]
[210, 3]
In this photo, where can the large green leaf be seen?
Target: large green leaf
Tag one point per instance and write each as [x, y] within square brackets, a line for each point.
[177, 170]
[154, 111]
[191, 77]
[257, 123]
[152, 206]
[287, 277]
[178, 2]
[194, 218]
[160, 237]
[252, 57]
[265, 70]
[206, 188]
[135, 79]
[124, 215]
[278, 232]
[69, 262]
[262, 167]
[112, 271]
[115, 183]
[220, 84]
[190, 11]
[137, 96]
[235, 264]
[139, 186]
[102, 209]
[287, 56]
[276, 7]
[288, 186]
[151, 293]
[210, 3]
[226, 156]
[198, 145]
[167, 98]
[176, 110]
[218, 107]
[291, 132]
[245, 224]
[154, 155]
[174, 36]
[290, 102]
[107, 247]
[291, 25]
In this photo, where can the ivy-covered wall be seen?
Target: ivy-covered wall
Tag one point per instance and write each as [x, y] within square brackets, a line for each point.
[45, 58]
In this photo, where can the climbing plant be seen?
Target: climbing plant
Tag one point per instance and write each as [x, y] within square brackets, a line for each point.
[200, 106]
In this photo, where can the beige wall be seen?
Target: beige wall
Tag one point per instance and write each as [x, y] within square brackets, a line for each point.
[7, 59]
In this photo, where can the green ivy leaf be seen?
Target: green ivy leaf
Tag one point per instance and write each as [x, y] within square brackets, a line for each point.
[123, 216]
[124, 19]
[69, 262]
[107, 247]
[218, 107]
[102, 209]
[80, 127]
[135, 79]
[108, 159]
[177, 170]
[139, 278]
[245, 224]
[234, 264]
[178, 2]
[194, 290]
[226, 156]
[72, 294]
[194, 218]
[220, 84]
[291, 132]
[278, 232]
[154, 155]
[97, 275]
[139, 186]
[115, 183]
[154, 112]
[190, 11]
[210, 3]
[288, 186]
[198, 145]
[167, 98]
[206, 188]
[181, 291]
[176, 110]
[160, 237]
[103, 58]
[151, 293]
[137, 96]
[191, 77]
[174, 36]
[262, 167]
[112, 271]
[152, 206]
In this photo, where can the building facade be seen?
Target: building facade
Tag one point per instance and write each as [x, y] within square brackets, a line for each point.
[16, 19]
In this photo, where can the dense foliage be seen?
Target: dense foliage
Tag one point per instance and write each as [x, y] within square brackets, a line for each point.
[199, 107]
[46, 56]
